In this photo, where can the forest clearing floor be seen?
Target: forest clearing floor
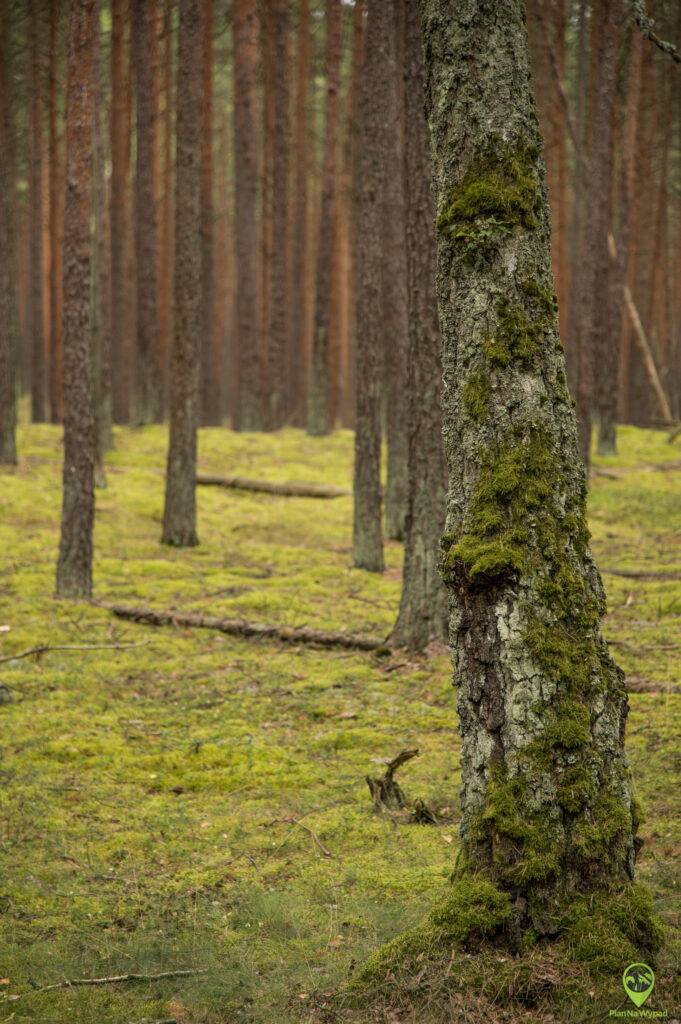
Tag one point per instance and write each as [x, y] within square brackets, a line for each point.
[200, 801]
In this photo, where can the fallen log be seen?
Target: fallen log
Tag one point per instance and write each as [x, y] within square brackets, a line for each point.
[635, 574]
[289, 488]
[243, 628]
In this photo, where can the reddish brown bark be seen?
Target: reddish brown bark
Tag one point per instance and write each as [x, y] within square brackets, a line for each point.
[120, 177]
[55, 233]
[210, 380]
[319, 421]
[179, 516]
[74, 568]
[301, 160]
[147, 360]
[248, 409]
[36, 327]
[166, 240]
[8, 264]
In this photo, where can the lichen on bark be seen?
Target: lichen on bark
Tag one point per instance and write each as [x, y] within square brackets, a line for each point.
[548, 814]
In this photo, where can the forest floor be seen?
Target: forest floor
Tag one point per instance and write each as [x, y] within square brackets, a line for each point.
[200, 801]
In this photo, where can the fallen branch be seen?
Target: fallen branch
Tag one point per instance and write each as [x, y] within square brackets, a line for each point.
[645, 24]
[288, 489]
[633, 574]
[114, 979]
[386, 792]
[43, 648]
[243, 628]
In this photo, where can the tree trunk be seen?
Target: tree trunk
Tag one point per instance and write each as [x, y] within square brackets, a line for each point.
[423, 605]
[102, 305]
[548, 816]
[179, 518]
[36, 326]
[120, 175]
[248, 411]
[278, 321]
[56, 195]
[394, 287]
[74, 568]
[318, 422]
[301, 159]
[166, 240]
[210, 381]
[374, 104]
[8, 264]
[147, 362]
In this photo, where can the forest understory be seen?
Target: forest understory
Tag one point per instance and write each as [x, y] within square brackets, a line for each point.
[198, 802]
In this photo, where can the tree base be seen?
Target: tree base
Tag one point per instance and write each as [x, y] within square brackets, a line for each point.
[467, 954]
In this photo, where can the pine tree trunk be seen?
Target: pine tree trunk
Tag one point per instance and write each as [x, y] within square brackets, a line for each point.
[166, 241]
[278, 320]
[396, 326]
[547, 805]
[301, 160]
[318, 421]
[36, 326]
[358, 30]
[56, 193]
[120, 176]
[248, 412]
[147, 362]
[423, 605]
[210, 380]
[8, 264]
[179, 518]
[374, 103]
[102, 326]
[74, 567]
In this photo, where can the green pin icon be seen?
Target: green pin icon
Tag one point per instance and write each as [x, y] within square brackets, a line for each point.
[638, 981]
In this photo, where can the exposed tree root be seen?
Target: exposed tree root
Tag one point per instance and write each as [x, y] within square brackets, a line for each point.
[289, 488]
[386, 792]
[241, 627]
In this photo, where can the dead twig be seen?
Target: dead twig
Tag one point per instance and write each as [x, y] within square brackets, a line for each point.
[289, 488]
[243, 628]
[114, 979]
[43, 648]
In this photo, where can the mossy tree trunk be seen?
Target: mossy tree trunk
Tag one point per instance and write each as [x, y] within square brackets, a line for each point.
[422, 616]
[8, 304]
[179, 517]
[547, 804]
[367, 537]
[74, 567]
[395, 317]
[318, 419]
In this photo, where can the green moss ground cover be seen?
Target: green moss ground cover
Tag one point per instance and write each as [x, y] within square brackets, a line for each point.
[200, 801]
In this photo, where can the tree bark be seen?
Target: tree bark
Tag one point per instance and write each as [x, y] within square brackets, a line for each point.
[318, 420]
[120, 177]
[147, 362]
[74, 567]
[36, 326]
[278, 321]
[8, 264]
[423, 604]
[210, 381]
[374, 102]
[56, 368]
[248, 412]
[166, 240]
[394, 289]
[547, 806]
[179, 517]
[102, 285]
[301, 170]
